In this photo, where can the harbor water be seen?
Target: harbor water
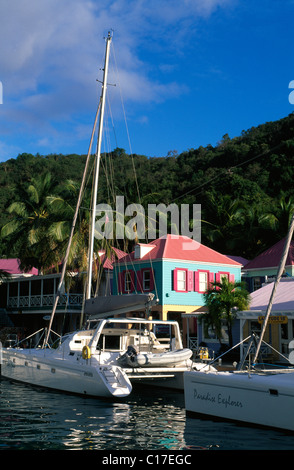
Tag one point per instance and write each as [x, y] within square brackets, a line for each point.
[150, 419]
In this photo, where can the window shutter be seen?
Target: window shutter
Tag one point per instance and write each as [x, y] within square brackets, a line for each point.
[140, 280]
[140, 284]
[121, 282]
[210, 279]
[196, 281]
[175, 280]
[132, 273]
[190, 281]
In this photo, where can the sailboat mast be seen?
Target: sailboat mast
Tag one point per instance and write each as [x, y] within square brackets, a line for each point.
[279, 275]
[97, 164]
[46, 340]
[60, 285]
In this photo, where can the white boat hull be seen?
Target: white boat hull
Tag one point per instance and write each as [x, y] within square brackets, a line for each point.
[264, 400]
[105, 360]
[45, 368]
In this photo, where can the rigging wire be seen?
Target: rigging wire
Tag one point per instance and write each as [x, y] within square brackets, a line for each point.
[133, 166]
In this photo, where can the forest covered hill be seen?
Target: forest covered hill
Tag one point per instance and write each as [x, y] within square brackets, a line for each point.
[244, 185]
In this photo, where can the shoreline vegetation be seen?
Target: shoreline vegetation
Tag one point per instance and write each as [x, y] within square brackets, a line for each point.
[244, 185]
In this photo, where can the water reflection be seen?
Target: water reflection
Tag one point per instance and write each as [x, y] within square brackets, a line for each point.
[38, 419]
[149, 419]
[137, 423]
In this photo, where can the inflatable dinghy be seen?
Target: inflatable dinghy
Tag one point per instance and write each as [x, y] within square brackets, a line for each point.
[133, 358]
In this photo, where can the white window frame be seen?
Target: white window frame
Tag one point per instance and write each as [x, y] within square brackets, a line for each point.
[182, 283]
[146, 279]
[128, 281]
[203, 284]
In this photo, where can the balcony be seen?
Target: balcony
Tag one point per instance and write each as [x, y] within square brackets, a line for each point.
[45, 300]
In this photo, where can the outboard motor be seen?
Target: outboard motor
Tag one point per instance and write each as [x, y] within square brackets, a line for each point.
[129, 358]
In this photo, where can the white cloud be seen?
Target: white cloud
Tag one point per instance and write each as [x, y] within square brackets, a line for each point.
[51, 51]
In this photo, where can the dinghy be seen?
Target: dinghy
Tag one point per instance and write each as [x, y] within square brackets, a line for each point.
[133, 358]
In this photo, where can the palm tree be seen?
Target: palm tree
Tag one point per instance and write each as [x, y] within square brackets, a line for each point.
[40, 224]
[27, 227]
[285, 210]
[222, 226]
[223, 299]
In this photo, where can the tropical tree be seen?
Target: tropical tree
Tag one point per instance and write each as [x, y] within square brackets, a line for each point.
[27, 228]
[40, 223]
[223, 299]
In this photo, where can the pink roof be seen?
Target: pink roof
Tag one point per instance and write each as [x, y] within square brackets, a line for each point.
[182, 248]
[271, 257]
[283, 299]
[11, 266]
[239, 259]
[106, 262]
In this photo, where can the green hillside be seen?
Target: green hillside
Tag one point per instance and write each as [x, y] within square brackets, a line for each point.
[244, 186]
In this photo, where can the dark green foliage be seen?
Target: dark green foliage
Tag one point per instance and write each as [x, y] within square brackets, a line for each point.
[244, 185]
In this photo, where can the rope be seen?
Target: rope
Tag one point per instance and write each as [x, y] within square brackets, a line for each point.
[135, 174]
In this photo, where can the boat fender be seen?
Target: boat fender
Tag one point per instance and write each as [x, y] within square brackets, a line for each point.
[86, 352]
[142, 360]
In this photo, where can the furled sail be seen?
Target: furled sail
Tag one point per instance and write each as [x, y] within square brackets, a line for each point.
[110, 305]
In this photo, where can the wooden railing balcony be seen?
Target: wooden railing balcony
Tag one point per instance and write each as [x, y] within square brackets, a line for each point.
[26, 301]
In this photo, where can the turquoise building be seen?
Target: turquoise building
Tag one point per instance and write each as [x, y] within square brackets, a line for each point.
[178, 270]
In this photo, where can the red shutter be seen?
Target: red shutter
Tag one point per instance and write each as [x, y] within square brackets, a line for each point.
[232, 278]
[140, 280]
[196, 281]
[217, 279]
[132, 273]
[190, 280]
[121, 282]
[211, 279]
[175, 279]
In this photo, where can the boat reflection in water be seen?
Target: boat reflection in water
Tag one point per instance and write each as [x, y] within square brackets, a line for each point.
[149, 419]
[132, 425]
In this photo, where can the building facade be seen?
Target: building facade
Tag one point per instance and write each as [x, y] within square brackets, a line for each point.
[264, 267]
[280, 330]
[178, 271]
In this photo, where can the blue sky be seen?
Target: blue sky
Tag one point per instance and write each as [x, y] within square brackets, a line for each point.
[186, 72]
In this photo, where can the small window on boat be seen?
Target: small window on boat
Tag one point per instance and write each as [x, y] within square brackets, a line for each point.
[26, 363]
[38, 366]
[53, 370]
[109, 342]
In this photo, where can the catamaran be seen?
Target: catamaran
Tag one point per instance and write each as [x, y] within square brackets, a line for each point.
[110, 353]
[257, 396]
